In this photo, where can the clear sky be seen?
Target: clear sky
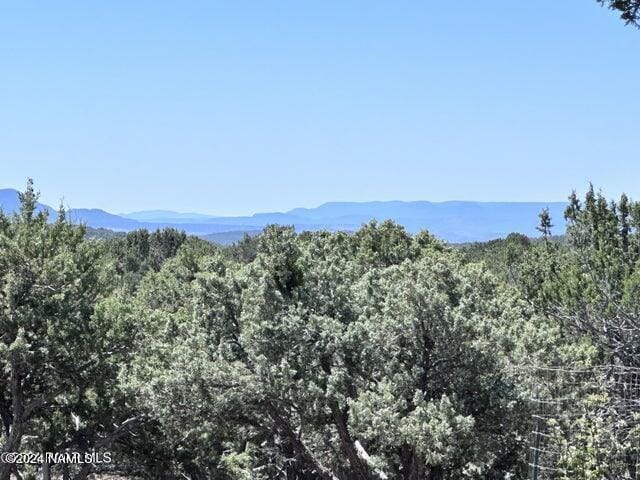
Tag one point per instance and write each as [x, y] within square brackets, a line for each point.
[235, 107]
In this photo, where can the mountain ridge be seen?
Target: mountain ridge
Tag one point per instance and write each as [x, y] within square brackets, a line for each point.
[455, 221]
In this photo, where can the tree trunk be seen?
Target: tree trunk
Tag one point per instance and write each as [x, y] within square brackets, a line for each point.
[12, 445]
[5, 415]
[359, 467]
[46, 471]
[283, 425]
[16, 473]
[84, 472]
[17, 419]
[416, 468]
[436, 473]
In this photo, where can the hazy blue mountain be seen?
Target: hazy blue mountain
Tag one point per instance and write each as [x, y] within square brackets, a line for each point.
[256, 220]
[264, 219]
[100, 219]
[10, 201]
[455, 221]
[166, 216]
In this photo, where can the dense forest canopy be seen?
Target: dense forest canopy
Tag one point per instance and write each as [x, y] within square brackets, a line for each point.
[373, 355]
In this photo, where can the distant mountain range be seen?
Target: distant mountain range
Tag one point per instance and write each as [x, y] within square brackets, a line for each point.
[454, 221]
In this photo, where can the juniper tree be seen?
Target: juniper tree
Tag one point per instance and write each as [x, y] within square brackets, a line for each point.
[545, 225]
[629, 9]
[59, 357]
[332, 356]
[591, 285]
[49, 284]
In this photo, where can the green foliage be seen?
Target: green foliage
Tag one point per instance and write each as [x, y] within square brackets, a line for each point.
[545, 225]
[245, 250]
[588, 289]
[502, 256]
[139, 252]
[366, 356]
[629, 9]
[369, 356]
[589, 286]
[50, 355]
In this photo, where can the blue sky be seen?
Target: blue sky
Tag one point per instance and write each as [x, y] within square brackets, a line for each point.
[236, 107]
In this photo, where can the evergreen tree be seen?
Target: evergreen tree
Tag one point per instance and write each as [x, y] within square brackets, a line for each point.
[332, 356]
[545, 224]
[50, 283]
[629, 9]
